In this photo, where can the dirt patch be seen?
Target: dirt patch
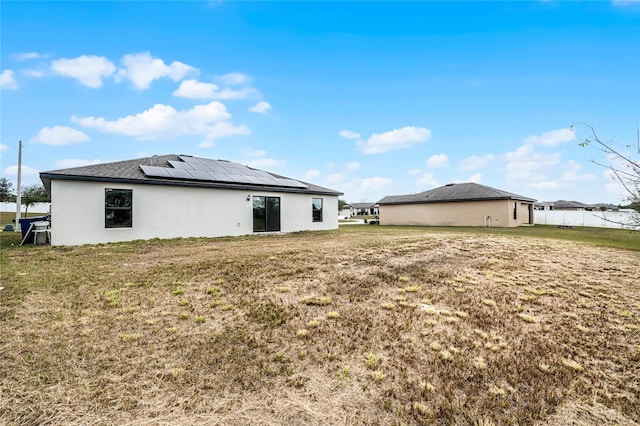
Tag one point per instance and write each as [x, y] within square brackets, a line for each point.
[321, 328]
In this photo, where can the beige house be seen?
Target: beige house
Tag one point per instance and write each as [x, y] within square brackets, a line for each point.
[459, 204]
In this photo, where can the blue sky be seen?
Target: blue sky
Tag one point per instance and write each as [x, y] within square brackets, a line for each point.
[368, 98]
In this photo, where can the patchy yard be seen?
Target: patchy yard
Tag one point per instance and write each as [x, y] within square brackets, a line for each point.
[365, 327]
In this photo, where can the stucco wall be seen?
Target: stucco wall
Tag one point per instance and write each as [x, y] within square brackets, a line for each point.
[462, 213]
[78, 212]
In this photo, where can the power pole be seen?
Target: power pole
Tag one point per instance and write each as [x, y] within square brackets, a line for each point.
[18, 190]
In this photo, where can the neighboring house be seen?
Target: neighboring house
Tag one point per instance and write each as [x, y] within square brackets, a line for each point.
[544, 205]
[173, 196]
[459, 204]
[574, 206]
[345, 212]
[364, 209]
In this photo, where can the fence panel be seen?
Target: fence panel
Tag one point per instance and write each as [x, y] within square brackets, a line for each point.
[583, 218]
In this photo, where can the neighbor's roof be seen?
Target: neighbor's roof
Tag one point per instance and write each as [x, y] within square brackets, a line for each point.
[363, 205]
[570, 204]
[454, 192]
[184, 170]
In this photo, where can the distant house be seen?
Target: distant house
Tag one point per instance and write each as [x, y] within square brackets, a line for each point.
[574, 206]
[459, 204]
[173, 196]
[364, 209]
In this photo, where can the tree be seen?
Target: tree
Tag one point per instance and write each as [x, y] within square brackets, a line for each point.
[32, 194]
[624, 164]
[341, 204]
[6, 191]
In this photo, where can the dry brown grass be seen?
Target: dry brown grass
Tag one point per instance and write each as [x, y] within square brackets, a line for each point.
[493, 330]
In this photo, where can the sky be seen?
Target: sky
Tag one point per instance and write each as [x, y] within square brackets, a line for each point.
[367, 98]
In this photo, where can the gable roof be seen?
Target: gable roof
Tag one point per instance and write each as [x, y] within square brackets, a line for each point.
[454, 192]
[183, 170]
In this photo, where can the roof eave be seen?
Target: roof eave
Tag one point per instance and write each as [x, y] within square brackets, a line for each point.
[49, 176]
[456, 201]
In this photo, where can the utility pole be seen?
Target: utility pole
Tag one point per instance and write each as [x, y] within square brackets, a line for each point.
[19, 189]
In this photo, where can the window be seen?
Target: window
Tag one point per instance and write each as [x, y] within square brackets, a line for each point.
[515, 210]
[266, 214]
[118, 208]
[317, 209]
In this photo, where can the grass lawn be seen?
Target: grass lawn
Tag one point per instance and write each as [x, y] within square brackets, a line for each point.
[364, 325]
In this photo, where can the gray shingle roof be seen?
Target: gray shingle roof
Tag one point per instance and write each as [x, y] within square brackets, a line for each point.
[362, 205]
[129, 171]
[454, 192]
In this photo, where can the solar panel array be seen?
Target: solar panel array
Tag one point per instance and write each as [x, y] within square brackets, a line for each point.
[204, 169]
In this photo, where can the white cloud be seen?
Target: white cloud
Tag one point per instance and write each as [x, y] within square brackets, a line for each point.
[348, 134]
[475, 162]
[26, 173]
[32, 73]
[552, 138]
[571, 173]
[8, 80]
[28, 55]
[547, 185]
[526, 164]
[74, 162]
[4, 147]
[194, 89]
[375, 183]
[312, 173]
[249, 152]
[395, 139]
[142, 69]
[228, 94]
[437, 161]
[261, 107]
[234, 78]
[335, 178]
[266, 163]
[89, 70]
[613, 185]
[352, 166]
[163, 121]
[414, 172]
[427, 180]
[59, 135]
[475, 178]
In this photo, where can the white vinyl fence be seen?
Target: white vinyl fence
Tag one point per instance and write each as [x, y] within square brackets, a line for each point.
[584, 218]
[36, 208]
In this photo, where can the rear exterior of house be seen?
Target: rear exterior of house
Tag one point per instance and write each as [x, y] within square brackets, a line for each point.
[180, 196]
[463, 204]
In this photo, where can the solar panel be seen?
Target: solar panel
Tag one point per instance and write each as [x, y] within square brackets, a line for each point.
[182, 165]
[179, 174]
[153, 171]
[200, 175]
[220, 177]
[204, 169]
[189, 159]
[240, 178]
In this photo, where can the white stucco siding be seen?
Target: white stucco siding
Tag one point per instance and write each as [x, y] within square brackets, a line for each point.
[78, 212]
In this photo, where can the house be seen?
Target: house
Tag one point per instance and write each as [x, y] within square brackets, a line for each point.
[575, 206]
[459, 204]
[173, 196]
[364, 209]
